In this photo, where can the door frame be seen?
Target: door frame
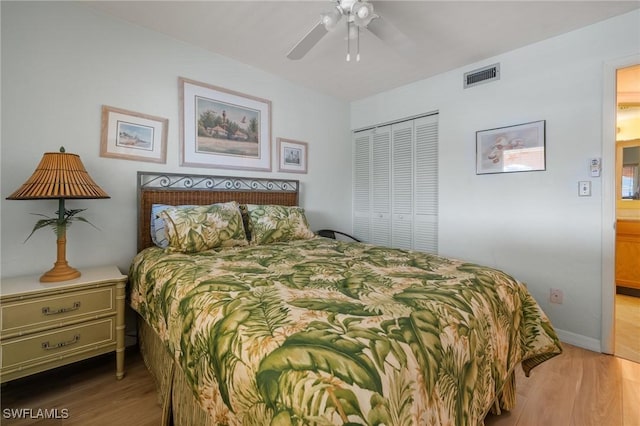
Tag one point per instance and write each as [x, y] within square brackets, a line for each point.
[609, 112]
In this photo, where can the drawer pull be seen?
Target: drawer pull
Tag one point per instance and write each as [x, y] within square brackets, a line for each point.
[47, 311]
[47, 347]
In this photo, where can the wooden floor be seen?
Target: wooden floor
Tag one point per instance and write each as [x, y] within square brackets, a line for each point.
[89, 391]
[577, 388]
[627, 336]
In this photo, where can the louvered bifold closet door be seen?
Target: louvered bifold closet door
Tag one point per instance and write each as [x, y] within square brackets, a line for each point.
[362, 185]
[426, 184]
[381, 187]
[402, 185]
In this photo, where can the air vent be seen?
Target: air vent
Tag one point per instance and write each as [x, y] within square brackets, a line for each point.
[482, 75]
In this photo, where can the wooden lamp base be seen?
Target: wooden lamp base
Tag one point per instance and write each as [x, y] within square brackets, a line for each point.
[60, 273]
[61, 270]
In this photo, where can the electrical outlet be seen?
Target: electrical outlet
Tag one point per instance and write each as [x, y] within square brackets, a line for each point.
[555, 296]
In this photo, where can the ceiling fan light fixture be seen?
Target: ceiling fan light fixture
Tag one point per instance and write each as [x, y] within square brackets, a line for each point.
[359, 14]
[362, 13]
[330, 19]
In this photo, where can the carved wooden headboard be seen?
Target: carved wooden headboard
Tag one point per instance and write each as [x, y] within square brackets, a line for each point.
[179, 189]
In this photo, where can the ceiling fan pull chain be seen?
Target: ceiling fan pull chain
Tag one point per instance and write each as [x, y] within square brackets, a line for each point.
[348, 41]
[358, 46]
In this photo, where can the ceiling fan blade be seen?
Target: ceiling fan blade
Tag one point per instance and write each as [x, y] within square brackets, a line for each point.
[307, 42]
[389, 34]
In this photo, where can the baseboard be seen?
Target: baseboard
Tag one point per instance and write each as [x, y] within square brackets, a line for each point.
[579, 340]
[627, 291]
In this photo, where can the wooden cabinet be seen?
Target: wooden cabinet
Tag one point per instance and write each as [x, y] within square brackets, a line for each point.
[628, 253]
[47, 325]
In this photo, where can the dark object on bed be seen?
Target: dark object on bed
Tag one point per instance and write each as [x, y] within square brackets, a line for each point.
[330, 233]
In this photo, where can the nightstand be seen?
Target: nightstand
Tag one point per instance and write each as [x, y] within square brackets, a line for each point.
[47, 325]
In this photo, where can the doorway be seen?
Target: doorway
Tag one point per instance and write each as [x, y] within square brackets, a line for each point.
[627, 214]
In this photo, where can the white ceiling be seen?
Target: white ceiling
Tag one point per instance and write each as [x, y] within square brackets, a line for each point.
[445, 35]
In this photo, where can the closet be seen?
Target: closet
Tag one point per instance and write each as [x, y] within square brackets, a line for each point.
[395, 192]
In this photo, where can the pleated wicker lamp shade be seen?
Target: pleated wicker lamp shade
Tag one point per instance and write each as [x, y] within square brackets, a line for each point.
[60, 175]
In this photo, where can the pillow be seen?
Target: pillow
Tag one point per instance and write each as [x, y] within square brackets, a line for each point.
[271, 223]
[192, 229]
[158, 234]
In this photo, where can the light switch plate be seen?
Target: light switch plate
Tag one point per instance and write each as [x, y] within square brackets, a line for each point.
[584, 188]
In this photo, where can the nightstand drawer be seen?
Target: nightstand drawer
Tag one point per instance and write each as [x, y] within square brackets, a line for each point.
[41, 313]
[54, 346]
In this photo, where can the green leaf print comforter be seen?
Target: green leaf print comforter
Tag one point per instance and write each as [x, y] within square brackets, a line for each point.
[323, 332]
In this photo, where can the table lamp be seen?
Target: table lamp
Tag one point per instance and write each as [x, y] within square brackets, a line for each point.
[60, 175]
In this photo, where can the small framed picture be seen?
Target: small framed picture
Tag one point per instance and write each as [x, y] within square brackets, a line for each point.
[133, 136]
[519, 148]
[292, 156]
[222, 128]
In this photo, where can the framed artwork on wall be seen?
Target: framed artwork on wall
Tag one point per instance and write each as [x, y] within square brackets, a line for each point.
[292, 156]
[133, 136]
[223, 129]
[519, 148]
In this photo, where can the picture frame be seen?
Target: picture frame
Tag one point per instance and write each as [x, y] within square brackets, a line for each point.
[518, 148]
[132, 135]
[221, 128]
[292, 156]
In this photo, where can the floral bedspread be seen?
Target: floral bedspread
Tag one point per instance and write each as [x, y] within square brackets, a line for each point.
[323, 332]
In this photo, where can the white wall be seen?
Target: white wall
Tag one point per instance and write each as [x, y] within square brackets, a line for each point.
[532, 225]
[62, 61]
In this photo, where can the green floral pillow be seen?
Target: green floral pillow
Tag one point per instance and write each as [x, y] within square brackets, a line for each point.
[271, 223]
[191, 229]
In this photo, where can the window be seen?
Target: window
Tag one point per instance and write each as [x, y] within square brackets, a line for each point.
[630, 182]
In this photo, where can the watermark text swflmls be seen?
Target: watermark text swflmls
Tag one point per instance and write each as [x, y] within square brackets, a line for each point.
[35, 413]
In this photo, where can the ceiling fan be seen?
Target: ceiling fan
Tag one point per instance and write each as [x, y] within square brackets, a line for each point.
[359, 14]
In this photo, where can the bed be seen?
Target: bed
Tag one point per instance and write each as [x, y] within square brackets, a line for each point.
[292, 328]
